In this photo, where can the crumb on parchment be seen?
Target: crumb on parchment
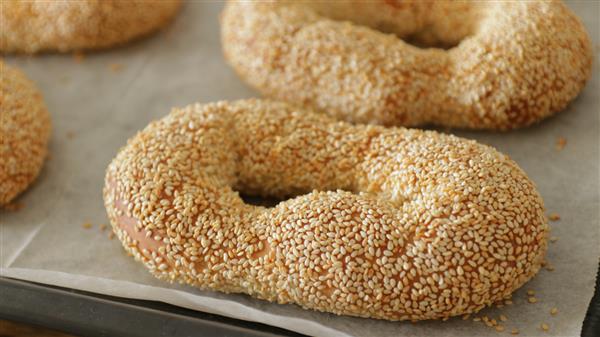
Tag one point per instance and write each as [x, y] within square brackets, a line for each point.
[561, 142]
[78, 57]
[115, 67]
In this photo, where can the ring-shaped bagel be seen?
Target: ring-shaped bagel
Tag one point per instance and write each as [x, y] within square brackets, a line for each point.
[400, 224]
[24, 132]
[42, 25]
[515, 63]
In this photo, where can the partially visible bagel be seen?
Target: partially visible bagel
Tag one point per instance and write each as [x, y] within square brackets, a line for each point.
[515, 63]
[42, 25]
[24, 132]
[384, 223]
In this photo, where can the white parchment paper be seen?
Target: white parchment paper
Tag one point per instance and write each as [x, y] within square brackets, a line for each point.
[95, 109]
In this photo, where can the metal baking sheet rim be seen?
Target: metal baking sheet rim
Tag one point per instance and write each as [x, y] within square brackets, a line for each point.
[124, 289]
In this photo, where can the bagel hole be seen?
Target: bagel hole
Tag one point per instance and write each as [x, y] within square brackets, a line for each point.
[422, 27]
[269, 201]
[421, 41]
[260, 201]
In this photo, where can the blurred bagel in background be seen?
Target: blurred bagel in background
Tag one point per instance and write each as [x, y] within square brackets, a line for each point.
[511, 63]
[38, 25]
[24, 132]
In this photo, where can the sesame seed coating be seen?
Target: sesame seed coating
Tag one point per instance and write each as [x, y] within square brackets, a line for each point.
[515, 63]
[24, 132]
[387, 223]
[41, 25]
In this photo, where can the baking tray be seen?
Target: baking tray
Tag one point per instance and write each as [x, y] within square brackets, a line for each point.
[591, 322]
[87, 314]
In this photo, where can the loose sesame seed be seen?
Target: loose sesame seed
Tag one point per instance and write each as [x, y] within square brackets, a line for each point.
[544, 327]
[532, 300]
[554, 311]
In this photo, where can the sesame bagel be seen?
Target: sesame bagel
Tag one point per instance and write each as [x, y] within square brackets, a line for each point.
[41, 25]
[24, 132]
[514, 62]
[386, 223]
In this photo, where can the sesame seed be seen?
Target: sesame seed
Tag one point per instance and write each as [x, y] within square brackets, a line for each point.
[544, 327]
[532, 300]
[554, 311]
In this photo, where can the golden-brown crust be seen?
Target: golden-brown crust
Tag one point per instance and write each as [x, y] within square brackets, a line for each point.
[38, 25]
[24, 132]
[390, 223]
[517, 62]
